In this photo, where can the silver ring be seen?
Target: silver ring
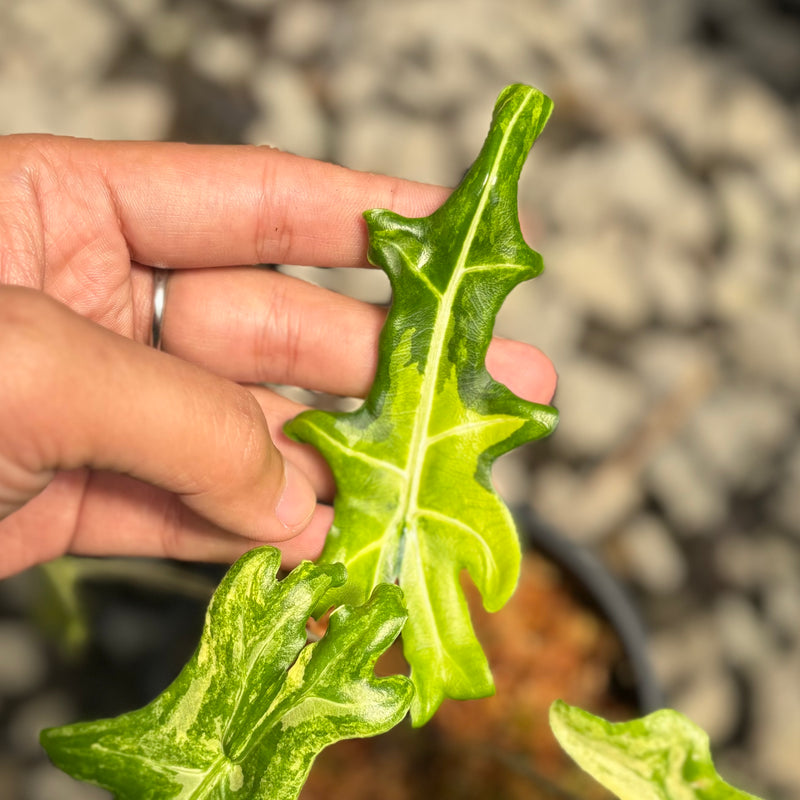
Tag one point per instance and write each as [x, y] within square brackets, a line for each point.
[160, 277]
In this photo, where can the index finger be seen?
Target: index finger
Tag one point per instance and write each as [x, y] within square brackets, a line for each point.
[217, 205]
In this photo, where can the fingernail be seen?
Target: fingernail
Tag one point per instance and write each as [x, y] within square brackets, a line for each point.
[298, 500]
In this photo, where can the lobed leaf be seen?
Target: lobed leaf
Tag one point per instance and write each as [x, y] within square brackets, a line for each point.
[252, 708]
[663, 756]
[415, 502]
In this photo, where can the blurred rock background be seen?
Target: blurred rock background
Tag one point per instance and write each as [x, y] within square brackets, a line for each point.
[665, 198]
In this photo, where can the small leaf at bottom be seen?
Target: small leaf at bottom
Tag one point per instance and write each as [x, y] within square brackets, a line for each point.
[254, 706]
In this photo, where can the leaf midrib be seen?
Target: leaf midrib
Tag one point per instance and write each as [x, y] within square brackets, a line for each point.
[420, 440]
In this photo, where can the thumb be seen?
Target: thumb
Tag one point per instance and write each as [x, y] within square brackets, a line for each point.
[76, 394]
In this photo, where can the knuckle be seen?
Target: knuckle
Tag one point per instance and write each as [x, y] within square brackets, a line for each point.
[33, 365]
[31, 329]
[278, 336]
[273, 234]
[251, 437]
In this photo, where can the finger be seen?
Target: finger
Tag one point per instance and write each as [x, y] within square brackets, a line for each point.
[84, 396]
[278, 410]
[121, 516]
[254, 325]
[197, 205]
[105, 514]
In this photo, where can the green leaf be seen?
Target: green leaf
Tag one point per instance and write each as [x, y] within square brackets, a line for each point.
[252, 708]
[415, 502]
[663, 756]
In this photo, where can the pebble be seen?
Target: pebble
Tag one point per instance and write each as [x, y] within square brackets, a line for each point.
[785, 504]
[52, 28]
[694, 499]
[775, 364]
[761, 421]
[291, 117]
[381, 139]
[45, 710]
[675, 287]
[745, 640]
[650, 555]
[601, 274]
[223, 56]
[22, 666]
[302, 29]
[711, 700]
[665, 361]
[600, 406]
[45, 782]
[585, 509]
[776, 727]
[539, 313]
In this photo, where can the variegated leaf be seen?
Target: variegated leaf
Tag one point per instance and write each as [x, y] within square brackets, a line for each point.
[663, 756]
[254, 706]
[415, 502]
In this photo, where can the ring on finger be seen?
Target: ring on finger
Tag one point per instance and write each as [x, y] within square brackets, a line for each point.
[160, 277]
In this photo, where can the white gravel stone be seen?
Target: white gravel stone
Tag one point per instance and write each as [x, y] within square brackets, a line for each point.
[537, 312]
[745, 280]
[632, 179]
[387, 141]
[780, 171]
[73, 40]
[291, 118]
[648, 186]
[600, 406]
[650, 554]
[744, 636]
[765, 342]
[748, 560]
[709, 109]
[693, 497]
[120, 110]
[776, 728]
[303, 28]
[511, 480]
[710, 700]
[586, 509]
[168, 34]
[666, 361]
[680, 651]
[748, 212]
[600, 273]
[45, 710]
[782, 604]
[45, 782]
[738, 431]
[223, 56]
[785, 505]
[675, 286]
[22, 666]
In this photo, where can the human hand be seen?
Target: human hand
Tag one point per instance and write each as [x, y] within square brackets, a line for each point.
[108, 446]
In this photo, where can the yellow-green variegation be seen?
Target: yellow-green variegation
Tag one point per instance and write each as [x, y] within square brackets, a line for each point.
[415, 503]
[663, 756]
[255, 704]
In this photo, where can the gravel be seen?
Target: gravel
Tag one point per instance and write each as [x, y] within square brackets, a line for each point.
[664, 196]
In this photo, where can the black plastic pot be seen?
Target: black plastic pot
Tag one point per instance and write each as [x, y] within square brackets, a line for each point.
[607, 594]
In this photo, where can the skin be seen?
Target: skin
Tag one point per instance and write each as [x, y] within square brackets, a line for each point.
[108, 447]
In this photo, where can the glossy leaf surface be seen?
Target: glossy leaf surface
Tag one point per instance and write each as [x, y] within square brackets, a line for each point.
[415, 502]
[663, 756]
[255, 704]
